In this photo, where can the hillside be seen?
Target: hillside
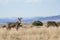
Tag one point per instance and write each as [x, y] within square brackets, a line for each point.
[54, 18]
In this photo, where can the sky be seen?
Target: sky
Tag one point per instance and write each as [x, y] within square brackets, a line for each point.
[29, 8]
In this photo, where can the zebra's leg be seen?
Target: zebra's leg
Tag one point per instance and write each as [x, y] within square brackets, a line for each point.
[20, 25]
[57, 25]
[47, 25]
[8, 28]
[16, 27]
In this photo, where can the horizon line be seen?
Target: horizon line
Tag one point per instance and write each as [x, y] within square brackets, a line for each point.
[29, 17]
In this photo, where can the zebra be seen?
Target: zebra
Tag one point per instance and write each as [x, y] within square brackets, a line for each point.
[16, 24]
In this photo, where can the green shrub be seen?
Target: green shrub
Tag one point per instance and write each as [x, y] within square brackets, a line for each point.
[37, 23]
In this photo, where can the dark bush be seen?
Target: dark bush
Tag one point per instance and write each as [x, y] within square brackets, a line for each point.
[37, 23]
[4, 26]
[58, 23]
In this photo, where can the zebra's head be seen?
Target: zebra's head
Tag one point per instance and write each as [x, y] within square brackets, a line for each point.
[19, 19]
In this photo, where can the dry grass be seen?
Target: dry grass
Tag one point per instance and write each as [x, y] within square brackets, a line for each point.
[28, 33]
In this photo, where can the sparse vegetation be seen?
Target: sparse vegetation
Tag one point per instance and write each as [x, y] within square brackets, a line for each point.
[37, 23]
[28, 32]
[34, 33]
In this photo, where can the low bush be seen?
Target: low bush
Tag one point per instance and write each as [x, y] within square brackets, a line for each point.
[37, 23]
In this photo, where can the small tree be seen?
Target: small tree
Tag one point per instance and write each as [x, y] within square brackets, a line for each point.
[37, 23]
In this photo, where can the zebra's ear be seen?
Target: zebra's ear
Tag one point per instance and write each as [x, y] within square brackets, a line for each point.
[18, 17]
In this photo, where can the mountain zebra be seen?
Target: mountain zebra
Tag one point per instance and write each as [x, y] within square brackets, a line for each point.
[15, 24]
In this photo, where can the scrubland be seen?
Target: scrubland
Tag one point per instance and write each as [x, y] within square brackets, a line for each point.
[30, 33]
